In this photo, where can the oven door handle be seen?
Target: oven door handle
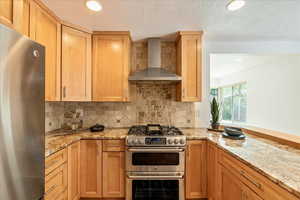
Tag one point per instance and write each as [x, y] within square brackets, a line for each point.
[138, 177]
[156, 150]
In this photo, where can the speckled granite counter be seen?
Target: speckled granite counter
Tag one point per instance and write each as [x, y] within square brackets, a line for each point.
[57, 141]
[279, 163]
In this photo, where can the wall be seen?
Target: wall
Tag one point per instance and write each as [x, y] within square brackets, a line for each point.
[151, 102]
[272, 97]
[245, 46]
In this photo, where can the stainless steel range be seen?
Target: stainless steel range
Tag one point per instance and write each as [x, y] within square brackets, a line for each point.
[155, 163]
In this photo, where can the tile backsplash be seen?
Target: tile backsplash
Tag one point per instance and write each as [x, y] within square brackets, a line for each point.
[151, 102]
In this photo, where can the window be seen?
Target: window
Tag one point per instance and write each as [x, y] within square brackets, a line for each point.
[233, 101]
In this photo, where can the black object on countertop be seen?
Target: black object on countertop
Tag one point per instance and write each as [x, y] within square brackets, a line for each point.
[233, 133]
[240, 137]
[97, 128]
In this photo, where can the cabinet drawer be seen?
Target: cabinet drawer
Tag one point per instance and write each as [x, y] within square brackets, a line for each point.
[55, 160]
[264, 187]
[113, 145]
[56, 183]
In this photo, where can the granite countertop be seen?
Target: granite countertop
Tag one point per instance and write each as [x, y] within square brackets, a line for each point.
[279, 163]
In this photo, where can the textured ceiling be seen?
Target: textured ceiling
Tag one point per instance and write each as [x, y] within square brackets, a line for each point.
[227, 64]
[258, 20]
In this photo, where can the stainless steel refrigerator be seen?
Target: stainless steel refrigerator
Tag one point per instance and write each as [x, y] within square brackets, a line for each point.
[22, 113]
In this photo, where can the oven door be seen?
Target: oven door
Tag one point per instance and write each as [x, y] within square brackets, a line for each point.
[158, 186]
[155, 159]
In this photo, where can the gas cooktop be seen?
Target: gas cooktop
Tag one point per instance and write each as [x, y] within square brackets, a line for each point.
[154, 130]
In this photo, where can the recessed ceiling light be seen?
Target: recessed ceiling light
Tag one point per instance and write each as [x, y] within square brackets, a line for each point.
[93, 5]
[235, 5]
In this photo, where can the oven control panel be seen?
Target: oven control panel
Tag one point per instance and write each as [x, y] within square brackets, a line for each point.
[155, 141]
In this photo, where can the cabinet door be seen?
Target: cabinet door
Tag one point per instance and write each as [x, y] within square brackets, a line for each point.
[212, 172]
[190, 68]
[76, 65]
[10, 11]
[113, 175]
[196, 173]
[91, 168]
[231, 187]
[110, 67]
[47, 31]
[56, 183]
[74, 171]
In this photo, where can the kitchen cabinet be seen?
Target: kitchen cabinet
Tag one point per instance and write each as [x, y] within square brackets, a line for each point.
[74, 171]
[231, 187]
[56, 176]
[255, 186]
[91, 168]
[76, 65]
[212, 172]
[196, 172]
[113, 174]
[25, 29]
[189, 66]
[11, 13]
[46, 30]
[111, 58]
[113, 169]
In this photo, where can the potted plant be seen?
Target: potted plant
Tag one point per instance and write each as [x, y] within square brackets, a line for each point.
[215, 114]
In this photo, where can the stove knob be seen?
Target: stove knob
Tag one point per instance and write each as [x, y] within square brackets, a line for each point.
[140, 141]
[176, 141]
[170, 141]
[182, 141]
[136, 141]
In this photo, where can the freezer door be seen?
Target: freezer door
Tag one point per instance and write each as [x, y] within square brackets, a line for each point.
[22, 113]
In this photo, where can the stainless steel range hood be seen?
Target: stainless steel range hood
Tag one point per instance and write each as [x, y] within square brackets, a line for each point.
[154, 72]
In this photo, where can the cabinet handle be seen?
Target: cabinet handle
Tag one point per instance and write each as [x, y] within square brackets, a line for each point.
[183, 92]
[64, 91]
[258, 185]
[51, 189]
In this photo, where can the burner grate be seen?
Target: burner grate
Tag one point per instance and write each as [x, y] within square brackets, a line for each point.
[164, 131]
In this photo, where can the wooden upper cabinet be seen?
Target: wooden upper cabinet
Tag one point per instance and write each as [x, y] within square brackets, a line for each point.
[76, 65]
[196, 173]
[46, 30]
[74, 171]
[15, 14]
[7, 12]
[111, 58]
[189, 66]
[91, 168]
[113, 175]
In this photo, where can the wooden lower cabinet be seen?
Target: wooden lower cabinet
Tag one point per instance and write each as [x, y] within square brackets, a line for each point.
[113, 174]
[213, 172]
[74, 171]
[56, 183]
[196, 172]
[91, 168]
[231, 187]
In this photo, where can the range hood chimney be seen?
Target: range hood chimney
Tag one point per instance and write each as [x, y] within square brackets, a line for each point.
[154, 72]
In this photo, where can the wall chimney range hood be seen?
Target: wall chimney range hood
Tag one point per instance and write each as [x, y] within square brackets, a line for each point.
[154, 72]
